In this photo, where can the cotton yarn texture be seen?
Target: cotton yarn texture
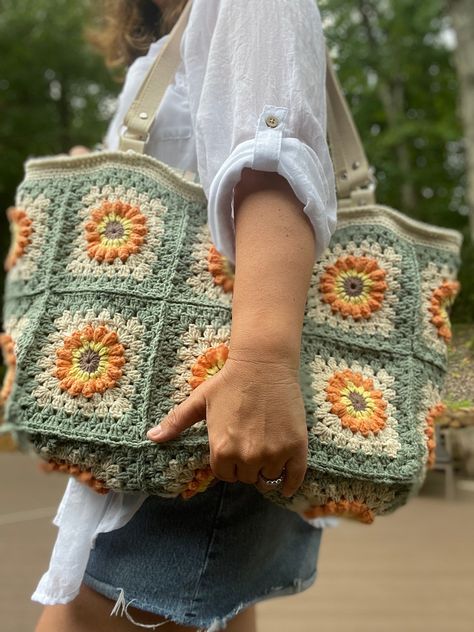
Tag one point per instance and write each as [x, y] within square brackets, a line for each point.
[117, 305]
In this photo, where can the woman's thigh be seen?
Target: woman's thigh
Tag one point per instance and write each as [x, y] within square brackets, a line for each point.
[90, 612]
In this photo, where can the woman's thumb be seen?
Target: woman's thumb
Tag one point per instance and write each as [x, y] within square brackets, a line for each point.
[189, 412]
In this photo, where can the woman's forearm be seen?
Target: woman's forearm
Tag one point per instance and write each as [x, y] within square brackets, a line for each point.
[275, 250]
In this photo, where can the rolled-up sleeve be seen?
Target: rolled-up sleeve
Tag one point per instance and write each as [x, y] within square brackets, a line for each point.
[256, 76]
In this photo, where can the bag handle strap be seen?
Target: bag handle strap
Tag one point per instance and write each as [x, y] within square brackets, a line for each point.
[354, 180]
[354, 176]
[140, 116]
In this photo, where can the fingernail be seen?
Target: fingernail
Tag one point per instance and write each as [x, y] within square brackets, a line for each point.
[154, 433]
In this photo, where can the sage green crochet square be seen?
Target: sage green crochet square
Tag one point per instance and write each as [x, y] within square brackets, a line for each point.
[35, 220]
[121, 231]
[87, 372]
[118, 305]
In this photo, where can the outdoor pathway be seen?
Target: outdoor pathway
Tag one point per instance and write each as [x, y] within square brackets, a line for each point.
[411, 572]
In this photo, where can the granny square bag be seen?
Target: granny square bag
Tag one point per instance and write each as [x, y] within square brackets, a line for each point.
[117, 305]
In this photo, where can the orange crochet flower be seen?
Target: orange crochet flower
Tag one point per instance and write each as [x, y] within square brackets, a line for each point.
[201, 481]
[116, 229]
[354, 286]
[221, 269]
[356, 402]
[344, 508]
[83, 476]
[441, 300]
[90, 361]
[208, 364]
[434, 412]
[21, 230]
[8, 351]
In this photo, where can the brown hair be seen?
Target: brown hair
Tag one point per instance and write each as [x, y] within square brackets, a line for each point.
[126, 28]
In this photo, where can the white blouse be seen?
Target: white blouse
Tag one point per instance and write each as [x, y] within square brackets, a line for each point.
[242, 61]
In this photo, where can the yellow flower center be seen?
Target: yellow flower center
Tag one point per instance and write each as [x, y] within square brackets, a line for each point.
[89, 360]
[358, 401]
[114, 230]
[353, 286]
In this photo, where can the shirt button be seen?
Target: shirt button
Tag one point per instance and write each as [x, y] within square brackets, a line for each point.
[272, 121]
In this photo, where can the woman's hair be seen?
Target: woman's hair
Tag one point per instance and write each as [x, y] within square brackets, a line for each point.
[126, 28]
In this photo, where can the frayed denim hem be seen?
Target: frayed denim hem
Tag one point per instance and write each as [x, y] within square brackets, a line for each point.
[122, 604]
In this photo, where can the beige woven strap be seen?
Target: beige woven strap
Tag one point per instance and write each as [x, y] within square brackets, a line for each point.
[140, 116]
[353, 176]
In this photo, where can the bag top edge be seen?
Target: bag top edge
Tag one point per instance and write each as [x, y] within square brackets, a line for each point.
[409, 226]
[72, 164]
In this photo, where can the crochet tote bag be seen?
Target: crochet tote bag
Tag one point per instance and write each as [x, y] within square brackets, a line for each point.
[117, 305]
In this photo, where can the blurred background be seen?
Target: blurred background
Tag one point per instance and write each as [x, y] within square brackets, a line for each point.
[408, 71]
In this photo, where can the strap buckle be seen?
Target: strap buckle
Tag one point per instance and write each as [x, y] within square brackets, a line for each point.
[134, 142]
[363, 195]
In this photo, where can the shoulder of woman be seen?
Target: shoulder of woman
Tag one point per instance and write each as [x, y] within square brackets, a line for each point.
[209, 9]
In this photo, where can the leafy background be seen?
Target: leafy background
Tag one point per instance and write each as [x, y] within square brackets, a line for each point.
[395, 59]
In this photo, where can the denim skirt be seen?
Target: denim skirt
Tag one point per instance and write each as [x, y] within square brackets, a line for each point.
[199, 561]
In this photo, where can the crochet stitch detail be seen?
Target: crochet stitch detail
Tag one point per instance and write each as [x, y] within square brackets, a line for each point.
[118, 305]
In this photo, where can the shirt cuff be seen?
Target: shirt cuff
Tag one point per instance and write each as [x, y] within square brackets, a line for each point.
[295, 161]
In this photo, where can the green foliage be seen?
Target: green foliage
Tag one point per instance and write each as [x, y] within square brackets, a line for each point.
[392, 58]
[54, 91]
[395, 64]
[463, 309]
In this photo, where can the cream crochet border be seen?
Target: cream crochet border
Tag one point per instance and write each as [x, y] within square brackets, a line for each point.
[71, 166]
[415, 231]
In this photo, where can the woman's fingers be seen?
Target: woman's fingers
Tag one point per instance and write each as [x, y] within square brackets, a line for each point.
[223, 468]
[189, 412]
[248, 472]
[244, 442]
[295, 473]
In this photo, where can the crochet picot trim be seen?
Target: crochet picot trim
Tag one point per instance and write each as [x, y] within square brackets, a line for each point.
[434, 412]
[352, 509]
[21, 230]
[211, 275]
[441, 300]
[28, 227]
[221, 269]
[83, 476]
[9, 358]
[203, 478]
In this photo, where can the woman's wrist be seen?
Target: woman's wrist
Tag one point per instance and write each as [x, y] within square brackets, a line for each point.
[259, 340]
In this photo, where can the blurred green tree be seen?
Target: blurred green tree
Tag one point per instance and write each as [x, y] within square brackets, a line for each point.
[394, 57]
[54, 90]
[396, 64]
[462, 14]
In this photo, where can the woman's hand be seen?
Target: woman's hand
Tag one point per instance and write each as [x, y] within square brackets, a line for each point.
[255, 421]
